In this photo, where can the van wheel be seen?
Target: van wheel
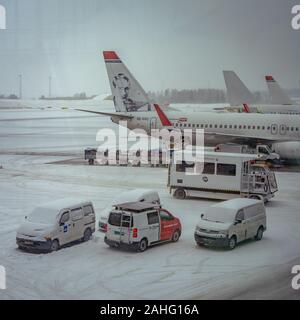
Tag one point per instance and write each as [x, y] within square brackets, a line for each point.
[259, 234]
[176, 236]
[143, 245]
[232, 243]
[87, 235]
[180, 194]
[253, 196]
[54, 246]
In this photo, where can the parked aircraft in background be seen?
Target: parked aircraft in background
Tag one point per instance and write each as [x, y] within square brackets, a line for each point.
[244, 128]
[277, 94]
[238, 95]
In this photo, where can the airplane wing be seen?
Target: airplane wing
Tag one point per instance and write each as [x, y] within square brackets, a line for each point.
[108, 114]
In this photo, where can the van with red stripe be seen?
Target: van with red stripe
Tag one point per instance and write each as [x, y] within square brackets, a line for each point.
[138, 225]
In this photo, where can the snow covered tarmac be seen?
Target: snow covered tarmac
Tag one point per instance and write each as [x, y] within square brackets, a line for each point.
[31, 175]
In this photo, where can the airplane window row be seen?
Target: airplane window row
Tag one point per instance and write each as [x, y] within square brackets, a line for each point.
[225, 126]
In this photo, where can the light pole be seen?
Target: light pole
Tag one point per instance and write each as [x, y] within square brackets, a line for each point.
[20, 86]
[50, 84]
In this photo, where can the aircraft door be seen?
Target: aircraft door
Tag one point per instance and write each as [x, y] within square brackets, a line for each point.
[152, 123]
[274, 128]
[282, 129]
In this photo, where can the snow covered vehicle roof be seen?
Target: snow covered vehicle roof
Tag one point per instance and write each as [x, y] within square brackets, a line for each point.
[63, 204]
[226, 211]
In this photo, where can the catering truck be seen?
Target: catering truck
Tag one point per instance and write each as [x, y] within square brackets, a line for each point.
[219, 176]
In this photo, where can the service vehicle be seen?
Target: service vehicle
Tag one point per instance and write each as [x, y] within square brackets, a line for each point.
[135, 158]
[227, 223]
[55, 224]
[90, 154]
[138, 225]
[263, 151]
[136, 195]
[220, 176]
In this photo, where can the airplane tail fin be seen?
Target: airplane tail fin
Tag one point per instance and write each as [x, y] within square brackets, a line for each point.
[237, 92]
[278, 96]
[128, 95]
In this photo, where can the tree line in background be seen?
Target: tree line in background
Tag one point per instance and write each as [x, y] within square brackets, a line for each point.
[188, 96]
[10, 96]
[200, 96]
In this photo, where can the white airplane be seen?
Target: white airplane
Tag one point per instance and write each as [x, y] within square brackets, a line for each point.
[238, 95]
[244, 128]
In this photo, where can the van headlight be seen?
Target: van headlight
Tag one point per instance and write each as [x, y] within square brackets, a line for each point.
[47, 238]
[198, 229]
[223, 233]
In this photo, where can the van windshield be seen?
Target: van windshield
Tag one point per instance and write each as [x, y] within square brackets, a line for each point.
[222, 215]
[115, 219]
[43, 216]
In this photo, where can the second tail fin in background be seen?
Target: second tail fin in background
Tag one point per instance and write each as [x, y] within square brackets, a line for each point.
[278, 96]
[237, 92]
[128, 95]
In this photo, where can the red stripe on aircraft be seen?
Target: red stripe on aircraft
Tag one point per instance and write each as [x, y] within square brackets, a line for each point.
[162, 116]
[269, 78]
[182, 119]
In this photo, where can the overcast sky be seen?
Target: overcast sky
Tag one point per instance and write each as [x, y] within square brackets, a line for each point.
[165, 43]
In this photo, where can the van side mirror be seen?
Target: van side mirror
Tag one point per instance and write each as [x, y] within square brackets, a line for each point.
[25, 217]
[237, 221]
[202, 215]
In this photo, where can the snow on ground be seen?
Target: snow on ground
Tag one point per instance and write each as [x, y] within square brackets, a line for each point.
[94, 271]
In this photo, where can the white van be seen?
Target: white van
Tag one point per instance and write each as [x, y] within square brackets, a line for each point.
[55, 224]
[230, 222]
[136, 195]
[138, 225]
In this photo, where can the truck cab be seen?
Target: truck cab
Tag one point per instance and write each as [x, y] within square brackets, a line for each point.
[263, 151]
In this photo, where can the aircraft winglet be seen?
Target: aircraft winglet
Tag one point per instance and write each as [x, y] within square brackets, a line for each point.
[162, 116]
[246, 108]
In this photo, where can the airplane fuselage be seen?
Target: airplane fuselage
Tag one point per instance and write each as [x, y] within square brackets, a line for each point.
[275, 127]
[282, 130]
[292, 109]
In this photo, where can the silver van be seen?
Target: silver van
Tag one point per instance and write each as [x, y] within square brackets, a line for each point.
[230, 222]
[55, 224]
